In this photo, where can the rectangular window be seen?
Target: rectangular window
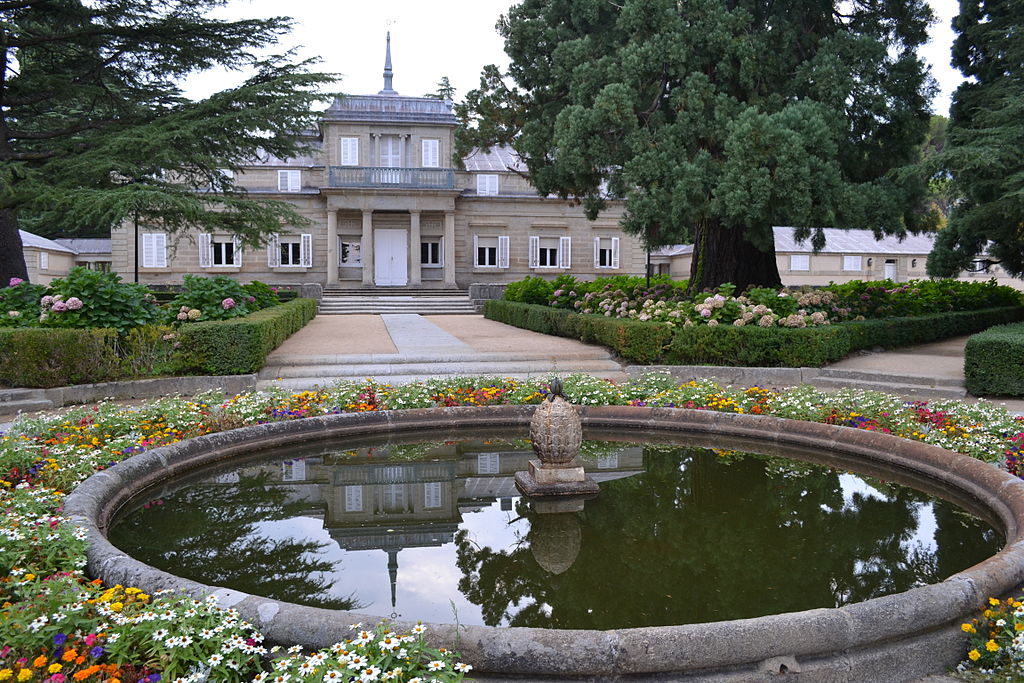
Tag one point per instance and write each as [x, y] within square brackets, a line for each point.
[391, 151]
[293, 470]
[430, 252]
[550, 252]
[606, 252]
[289, 181]
[290, 250]
[431, 153]
[394, 497]
[154, 250]
[350, 253]
[216, 251]
[222, 253]
[488, 463]
[487, 183]
[799, 262]
[432, 494]
[44, 260]
[349, 151]
[490, 252]
[851, 263]
[608, 462]
[353, 499]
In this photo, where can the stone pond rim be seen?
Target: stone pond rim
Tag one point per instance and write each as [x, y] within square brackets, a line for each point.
[892, 638]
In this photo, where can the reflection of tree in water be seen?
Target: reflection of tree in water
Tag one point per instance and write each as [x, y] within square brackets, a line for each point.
[692, 540]
[207, 533]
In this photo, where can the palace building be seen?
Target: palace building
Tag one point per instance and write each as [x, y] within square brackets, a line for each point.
[389, 207]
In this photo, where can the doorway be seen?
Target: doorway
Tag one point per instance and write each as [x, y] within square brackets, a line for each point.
[390, 257]
[890, 269]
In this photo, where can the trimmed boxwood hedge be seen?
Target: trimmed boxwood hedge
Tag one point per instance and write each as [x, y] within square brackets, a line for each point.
[240, 345]
[48, 357]
[994, 361]
[748, 346]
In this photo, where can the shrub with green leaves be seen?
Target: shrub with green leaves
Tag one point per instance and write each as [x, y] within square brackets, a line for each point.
[264, 296]
[95, 299]
[19, 303]
[530, 290]
[994, 361]
[210, 298]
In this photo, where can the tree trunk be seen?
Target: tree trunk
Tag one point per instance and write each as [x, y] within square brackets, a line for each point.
[12, 258]
[723, 255]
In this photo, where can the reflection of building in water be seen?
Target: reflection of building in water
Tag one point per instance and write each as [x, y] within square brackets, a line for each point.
[382, 499]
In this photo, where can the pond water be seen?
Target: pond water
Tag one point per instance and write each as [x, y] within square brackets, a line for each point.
[437, 532]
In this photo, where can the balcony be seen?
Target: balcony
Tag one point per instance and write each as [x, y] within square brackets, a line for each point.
[398, 178]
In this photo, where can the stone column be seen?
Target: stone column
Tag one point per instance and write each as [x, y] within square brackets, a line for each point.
[449, 248]
[414, 248]
[367, 247]
[332, 247]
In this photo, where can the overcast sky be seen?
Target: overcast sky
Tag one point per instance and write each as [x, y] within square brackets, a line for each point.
[435, 38]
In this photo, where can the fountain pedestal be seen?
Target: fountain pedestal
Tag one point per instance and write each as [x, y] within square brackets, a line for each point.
[556, 432]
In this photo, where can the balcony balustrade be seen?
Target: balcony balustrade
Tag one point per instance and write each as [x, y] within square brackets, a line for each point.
[384, 177]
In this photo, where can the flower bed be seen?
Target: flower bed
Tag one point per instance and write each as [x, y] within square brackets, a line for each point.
[56, 625]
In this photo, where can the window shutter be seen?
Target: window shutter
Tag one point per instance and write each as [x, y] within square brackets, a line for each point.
[306, 250]
[430, 153]
[154, 250]
[487, 183]
[534, 251]
[503, 251]
[565, 252]
[597, 252]
[350, 151]
[205, 250]
[273, 251]
[238, 250]
[294, 181]
[282, 181]
[615, 252]
[476, 250]
[44, 260]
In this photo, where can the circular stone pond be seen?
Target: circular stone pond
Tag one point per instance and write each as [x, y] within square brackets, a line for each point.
[720, 545]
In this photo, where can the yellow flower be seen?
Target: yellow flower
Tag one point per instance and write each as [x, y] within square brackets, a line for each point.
[24, 674]
[968, 628]
[974, 655]
[54, 668]
[5, 674]
[992, 646]
[993, 601]
[117, 606]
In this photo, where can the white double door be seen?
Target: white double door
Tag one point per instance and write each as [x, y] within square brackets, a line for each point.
[390, 257]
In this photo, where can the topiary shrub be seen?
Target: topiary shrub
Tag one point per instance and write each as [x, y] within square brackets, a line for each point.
[239, 346]
[994, 361]
[36, 357]
[530, 290]
[264, 296]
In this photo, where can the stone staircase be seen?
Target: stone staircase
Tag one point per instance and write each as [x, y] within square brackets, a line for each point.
[302, 372]
[910, 386]
[14, 401]
[377, 300]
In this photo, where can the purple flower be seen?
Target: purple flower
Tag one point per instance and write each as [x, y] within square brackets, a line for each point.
[96, 652]
[60, 639]
[705, 313]
[228, 303]
[251, 299]
[46, 300]
[74, 303]
[59, 306]
[15, 281]
[183, 316]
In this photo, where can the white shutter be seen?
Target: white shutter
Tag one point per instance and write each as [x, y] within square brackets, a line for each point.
[597, 252]
[289, 181]
[503, 251]
[274, 251]
[44, 260]
[306, 251]
[205, 250]
[431, 153]
[350, 151]
[154, 250]
[353, 499]
[238, 250]
[476, 250]
[487, 183]
[615, 252]
[534, 251]
[565, 252]
[432, 494]
[282, 181]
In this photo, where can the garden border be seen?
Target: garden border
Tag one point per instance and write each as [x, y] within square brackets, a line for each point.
[893, 638]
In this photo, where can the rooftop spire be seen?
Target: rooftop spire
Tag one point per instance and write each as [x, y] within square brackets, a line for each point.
[388, 75]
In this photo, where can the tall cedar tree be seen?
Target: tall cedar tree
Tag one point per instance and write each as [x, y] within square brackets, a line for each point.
[715, 119]
[95, 130]
[986, 136]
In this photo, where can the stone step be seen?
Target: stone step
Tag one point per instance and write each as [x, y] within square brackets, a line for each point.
[434, 368]
[303, 383]
[13, 401]
[419, 308]
[584, 353]
[910, 391]
[885, 377]
[394, 291]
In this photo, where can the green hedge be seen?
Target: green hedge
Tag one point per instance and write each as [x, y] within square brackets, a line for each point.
[43, 358]
[240, 345]
[994, 361]
[747, 346]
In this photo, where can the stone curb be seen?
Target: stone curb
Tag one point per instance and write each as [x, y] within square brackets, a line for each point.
[893, 638]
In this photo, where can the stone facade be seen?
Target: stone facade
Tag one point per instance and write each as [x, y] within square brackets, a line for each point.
[389, 206]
